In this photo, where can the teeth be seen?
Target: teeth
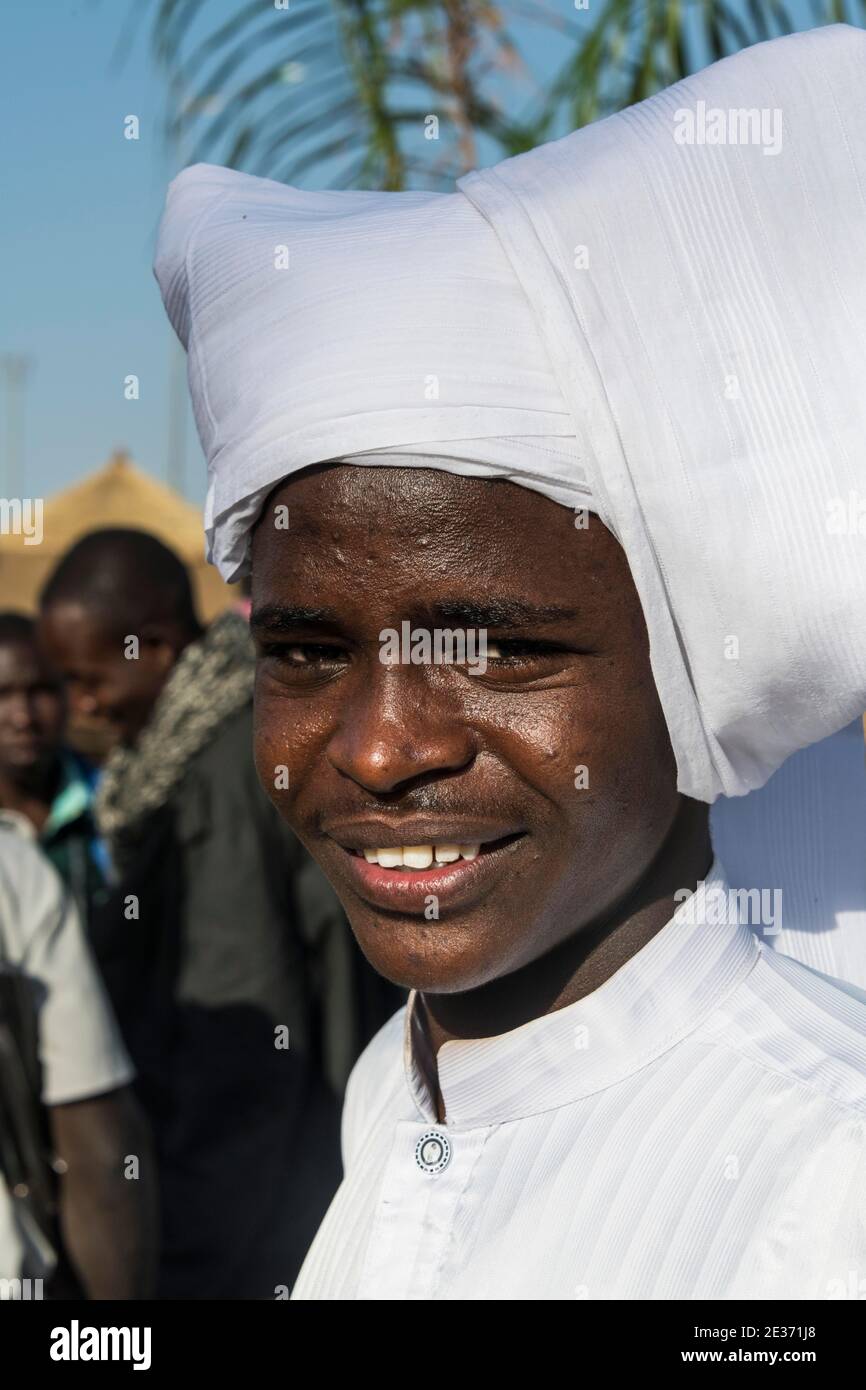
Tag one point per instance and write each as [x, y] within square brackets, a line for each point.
[390, 858]
[420, 856]
[448, 854]
[417, 856]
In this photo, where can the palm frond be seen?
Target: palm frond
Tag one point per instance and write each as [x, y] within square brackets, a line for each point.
[344, 87]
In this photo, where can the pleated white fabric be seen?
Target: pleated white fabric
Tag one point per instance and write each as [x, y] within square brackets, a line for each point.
[324, 324]
[801, 842]
[693, 1129]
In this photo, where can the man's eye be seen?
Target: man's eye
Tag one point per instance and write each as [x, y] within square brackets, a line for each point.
[514, 652]
[313, 655]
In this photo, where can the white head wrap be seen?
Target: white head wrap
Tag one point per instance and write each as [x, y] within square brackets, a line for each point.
[672, 333]
[319, 325]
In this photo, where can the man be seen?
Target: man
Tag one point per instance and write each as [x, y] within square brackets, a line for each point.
[581, 409]
[46, 789]
[217, 940]
[107, 1190]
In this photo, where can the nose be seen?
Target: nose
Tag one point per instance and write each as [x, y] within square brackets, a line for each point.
[82, 701]
[401, 723]
[21, 712]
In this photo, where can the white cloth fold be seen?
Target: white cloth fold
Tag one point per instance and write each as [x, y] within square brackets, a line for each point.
[800, 843]
[324, 324]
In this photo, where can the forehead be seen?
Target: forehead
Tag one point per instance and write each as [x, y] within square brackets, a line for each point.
[22, 663]
[76, 629]
[414, 529]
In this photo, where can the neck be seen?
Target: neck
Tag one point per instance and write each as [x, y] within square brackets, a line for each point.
[581, 963]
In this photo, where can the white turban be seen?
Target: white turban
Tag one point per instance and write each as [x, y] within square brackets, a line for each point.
[662, 316]
[324, 324]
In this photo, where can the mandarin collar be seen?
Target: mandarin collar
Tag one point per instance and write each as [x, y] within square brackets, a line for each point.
[659, 996]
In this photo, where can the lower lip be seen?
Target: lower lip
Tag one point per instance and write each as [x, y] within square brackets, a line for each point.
[401, 890]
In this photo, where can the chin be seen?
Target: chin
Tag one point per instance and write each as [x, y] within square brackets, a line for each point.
[444, 957]
[24, 762]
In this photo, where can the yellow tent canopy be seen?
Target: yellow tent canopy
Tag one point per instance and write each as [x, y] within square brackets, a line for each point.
[117, 495]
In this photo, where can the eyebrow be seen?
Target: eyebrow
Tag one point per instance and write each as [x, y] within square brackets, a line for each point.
[285, 617]
[509, 612]
[506, 612]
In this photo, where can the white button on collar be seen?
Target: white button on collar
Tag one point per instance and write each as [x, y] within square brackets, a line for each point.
[433, 1151]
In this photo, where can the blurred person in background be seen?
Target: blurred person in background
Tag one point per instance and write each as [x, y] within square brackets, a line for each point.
[242, 995]
[46, 787]
[77, 1192]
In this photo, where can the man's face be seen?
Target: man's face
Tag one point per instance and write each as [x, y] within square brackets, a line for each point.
[32, 708]
[108, 689]
[555, 759]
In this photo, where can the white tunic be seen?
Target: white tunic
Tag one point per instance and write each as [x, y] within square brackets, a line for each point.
[81, 1050]
[693, 1129]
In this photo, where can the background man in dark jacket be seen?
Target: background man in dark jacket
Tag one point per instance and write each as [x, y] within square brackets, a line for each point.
[242, 995]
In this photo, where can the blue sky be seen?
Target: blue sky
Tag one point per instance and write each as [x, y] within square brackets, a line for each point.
[80, 208]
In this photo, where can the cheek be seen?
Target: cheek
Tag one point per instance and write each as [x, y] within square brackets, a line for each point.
[598, 754]
[129, 683]
[627, 788]
[286, 744]
[49, 711]
[139, 679]
[602, 734]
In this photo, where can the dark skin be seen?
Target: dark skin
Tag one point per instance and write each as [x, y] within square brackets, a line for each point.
[108, 689]
[32, 716]
[592, 875]
[109, 1221]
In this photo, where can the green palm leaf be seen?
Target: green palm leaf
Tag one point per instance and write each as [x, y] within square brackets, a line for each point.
[343, 88]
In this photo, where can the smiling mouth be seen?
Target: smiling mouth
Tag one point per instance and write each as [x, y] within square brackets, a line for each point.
[468, 871]
[420, 858]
